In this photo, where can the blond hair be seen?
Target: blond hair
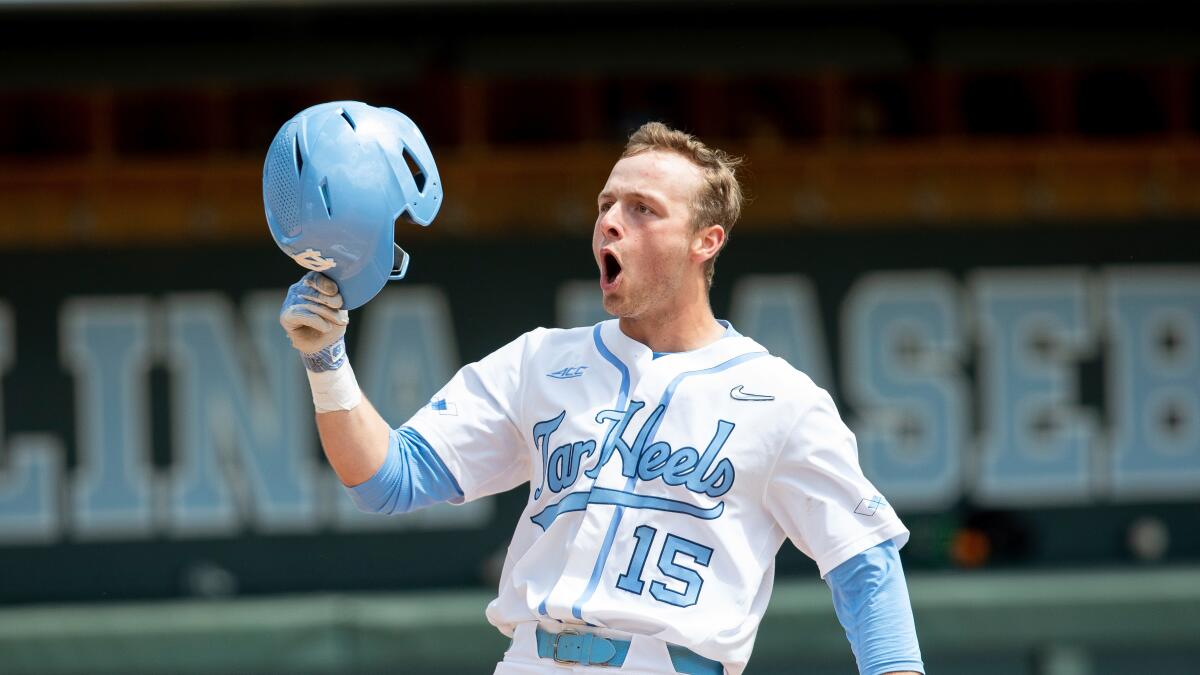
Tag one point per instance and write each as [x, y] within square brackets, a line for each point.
[719, 201]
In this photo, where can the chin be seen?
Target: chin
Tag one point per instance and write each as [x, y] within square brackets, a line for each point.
[614, 306]
[624, 307]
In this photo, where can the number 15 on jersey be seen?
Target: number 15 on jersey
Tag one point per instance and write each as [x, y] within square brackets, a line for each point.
[673, 549]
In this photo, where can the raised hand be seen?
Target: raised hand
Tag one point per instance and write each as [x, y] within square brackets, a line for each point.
[315, 322]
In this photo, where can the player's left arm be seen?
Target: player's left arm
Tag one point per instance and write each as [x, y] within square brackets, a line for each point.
[871, 600]
[818, 495]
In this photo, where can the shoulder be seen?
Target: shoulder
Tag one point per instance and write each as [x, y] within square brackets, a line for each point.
[548, 337]
[793, 383]
[541, 344]
[558, 336]
[792, 386]
[555, 342]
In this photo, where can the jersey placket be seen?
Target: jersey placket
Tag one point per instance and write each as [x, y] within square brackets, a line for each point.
[650, 388]
[626, 363]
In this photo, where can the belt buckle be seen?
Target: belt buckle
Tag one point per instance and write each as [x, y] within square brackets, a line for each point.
[556, 638]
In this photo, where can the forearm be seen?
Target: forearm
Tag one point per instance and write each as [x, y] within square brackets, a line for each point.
[355, 438]
[871, 599]
[355, 441]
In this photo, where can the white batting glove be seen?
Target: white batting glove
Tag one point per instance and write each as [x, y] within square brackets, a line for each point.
[315, 322]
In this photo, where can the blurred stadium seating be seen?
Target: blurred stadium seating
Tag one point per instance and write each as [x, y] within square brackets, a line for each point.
[1020, 177]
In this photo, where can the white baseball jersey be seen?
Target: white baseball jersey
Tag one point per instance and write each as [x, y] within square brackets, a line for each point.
[660, 486]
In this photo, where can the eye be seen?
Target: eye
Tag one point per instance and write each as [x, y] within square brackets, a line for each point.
[645, 210]
[604, 206]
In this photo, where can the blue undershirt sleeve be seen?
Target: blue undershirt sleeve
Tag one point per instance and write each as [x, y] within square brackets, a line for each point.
[412, 477]
[871, 600]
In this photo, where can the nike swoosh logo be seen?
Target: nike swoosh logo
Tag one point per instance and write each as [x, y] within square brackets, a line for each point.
[738, 395]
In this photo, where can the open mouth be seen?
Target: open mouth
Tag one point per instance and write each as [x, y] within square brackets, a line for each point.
[611, 268]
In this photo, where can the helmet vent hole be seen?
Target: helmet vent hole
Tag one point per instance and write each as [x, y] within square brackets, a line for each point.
[415, 169]
[325, 196]
[349, 120]
[296, 152]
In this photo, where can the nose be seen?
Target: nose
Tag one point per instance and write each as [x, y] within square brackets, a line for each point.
[610, 224]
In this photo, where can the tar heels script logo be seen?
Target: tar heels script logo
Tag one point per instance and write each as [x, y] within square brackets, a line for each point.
[645, 459]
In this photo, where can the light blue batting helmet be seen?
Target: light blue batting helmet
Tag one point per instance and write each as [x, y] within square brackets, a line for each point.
[336, 178]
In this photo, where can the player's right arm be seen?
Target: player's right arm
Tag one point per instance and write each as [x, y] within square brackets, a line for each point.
[353, 434]
[437, 456]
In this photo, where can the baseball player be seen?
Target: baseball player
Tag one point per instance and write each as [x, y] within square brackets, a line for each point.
[667, 456]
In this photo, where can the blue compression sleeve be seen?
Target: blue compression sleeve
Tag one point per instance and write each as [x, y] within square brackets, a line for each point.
[412, 477]
[871, 601]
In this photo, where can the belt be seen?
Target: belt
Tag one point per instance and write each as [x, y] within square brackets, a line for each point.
[588, 649]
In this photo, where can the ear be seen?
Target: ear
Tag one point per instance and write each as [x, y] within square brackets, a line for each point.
[707, 243]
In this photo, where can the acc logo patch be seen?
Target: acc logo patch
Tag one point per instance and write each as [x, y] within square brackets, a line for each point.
[567, 373]
[312, 260]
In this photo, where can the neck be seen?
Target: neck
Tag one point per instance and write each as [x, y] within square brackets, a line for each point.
[676, 326]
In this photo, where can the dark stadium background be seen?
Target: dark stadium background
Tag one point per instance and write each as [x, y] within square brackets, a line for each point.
[953, 137]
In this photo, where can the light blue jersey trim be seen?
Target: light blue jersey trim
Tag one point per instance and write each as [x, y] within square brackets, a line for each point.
[623, 392]
[665, 402]
[871, 601]
[412, 477]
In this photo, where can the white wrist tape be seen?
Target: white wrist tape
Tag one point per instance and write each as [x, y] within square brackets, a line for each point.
[335, 389]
